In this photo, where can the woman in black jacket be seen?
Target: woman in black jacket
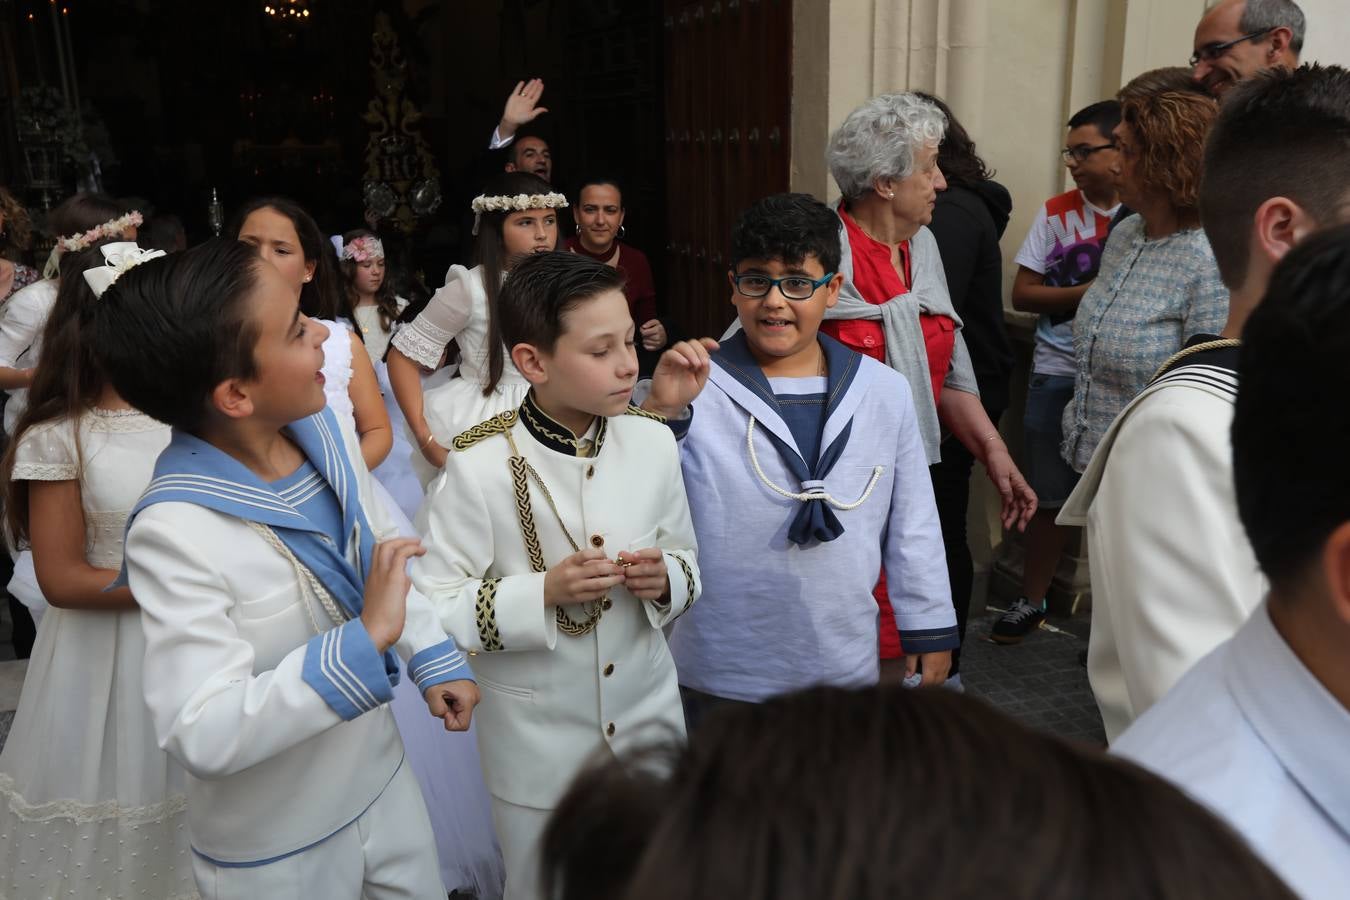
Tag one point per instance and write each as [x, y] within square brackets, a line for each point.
[968, 221]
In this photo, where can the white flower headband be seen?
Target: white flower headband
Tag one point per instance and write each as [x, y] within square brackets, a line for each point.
[514, 203]
[362, 249]
[118, 259]
[111, 228]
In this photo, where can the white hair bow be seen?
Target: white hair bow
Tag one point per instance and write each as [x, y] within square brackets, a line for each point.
[118, 259]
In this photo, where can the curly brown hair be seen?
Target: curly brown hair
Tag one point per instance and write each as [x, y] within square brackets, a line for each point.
[18, 226]
[1169, 134]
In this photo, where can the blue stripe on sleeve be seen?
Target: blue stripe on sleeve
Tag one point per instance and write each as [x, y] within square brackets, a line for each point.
[347, 671]
[437, 664]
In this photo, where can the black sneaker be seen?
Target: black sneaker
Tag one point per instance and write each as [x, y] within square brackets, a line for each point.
[1019, 621]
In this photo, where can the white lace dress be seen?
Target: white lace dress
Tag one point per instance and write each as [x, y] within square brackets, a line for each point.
[447, 765]
[90, 807]
[458, 310]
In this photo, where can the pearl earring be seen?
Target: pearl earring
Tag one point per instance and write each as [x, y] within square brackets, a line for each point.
[891, 195]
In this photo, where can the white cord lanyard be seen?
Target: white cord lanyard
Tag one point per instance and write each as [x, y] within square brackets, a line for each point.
[814, 489]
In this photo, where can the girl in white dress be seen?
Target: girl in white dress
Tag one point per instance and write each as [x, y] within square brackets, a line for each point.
[375, 310]
[82, 221]
[90, 807]
[287, 237]
[517, 216]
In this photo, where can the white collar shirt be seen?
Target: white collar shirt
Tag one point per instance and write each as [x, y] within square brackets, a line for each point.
[1253, 735]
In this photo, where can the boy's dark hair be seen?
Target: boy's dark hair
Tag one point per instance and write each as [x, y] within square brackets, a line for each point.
[171, 329]
[1104, 115]
[1281, 133]
[1289, 442]
[787, 227]
[544, 287]
[813, 795]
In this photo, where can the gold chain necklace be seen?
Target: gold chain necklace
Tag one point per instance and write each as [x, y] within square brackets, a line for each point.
[594, 610]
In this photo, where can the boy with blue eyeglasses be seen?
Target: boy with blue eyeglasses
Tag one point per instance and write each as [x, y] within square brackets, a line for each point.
[806, 473]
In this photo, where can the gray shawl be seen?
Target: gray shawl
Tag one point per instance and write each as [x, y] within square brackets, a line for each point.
[905, 352]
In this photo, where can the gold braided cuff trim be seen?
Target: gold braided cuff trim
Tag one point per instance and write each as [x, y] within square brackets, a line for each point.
[646, 414]
[498, 424]
[688, 573]
[485, 615]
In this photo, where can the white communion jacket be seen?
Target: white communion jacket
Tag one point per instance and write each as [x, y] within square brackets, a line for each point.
[551, 700]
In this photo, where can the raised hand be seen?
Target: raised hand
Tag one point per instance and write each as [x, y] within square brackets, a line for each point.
[522, 107]
[680, 376]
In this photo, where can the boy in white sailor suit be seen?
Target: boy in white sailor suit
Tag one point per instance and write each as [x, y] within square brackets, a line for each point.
[806, 472]
[558, 546]
[269, 609]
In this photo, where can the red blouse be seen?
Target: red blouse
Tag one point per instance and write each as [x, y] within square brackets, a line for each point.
[878, 282]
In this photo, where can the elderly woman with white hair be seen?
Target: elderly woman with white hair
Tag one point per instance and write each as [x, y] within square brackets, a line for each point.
[894, 304]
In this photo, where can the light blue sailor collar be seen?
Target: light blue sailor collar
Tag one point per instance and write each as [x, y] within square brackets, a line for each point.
[191, 470]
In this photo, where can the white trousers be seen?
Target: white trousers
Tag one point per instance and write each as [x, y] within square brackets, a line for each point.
[388, 853]
[520, 830]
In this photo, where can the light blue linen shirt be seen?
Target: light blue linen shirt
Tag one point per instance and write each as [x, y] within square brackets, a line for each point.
[1251, 734]
[1149, 298]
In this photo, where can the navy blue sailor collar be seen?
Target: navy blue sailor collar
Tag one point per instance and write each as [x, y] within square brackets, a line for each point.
[740, 377]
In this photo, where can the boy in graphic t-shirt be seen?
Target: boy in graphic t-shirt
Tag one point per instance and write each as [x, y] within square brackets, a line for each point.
[1056, 264]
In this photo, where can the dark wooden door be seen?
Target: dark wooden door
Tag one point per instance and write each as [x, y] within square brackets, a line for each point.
[728, 105]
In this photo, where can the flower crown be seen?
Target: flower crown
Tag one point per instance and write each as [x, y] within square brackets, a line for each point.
[362, 249]
[76, 242]
[513, 203]
[509, 203]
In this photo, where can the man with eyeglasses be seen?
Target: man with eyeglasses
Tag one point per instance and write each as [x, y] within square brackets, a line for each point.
[1238, 38]
[1057, 263]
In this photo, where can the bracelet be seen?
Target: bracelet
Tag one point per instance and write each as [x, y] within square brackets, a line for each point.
[423, 445]
[993, 437]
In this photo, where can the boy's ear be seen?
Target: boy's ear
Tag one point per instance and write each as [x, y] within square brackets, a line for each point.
[832, 288]
[231, 399]
[1336, 571]
[530, 362]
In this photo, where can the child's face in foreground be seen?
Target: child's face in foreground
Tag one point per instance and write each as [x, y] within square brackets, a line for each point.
[289, 353]
[778, 328]
[278, 242]
[593, 366]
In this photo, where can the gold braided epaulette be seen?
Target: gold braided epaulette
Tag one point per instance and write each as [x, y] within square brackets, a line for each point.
[498, 424]
[639, 411]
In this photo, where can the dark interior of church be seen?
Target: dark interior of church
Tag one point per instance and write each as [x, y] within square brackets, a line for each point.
[360, 104]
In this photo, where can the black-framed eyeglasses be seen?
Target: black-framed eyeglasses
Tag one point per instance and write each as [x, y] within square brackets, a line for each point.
[1213, 51]
[793, 287]
[1083, 151]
